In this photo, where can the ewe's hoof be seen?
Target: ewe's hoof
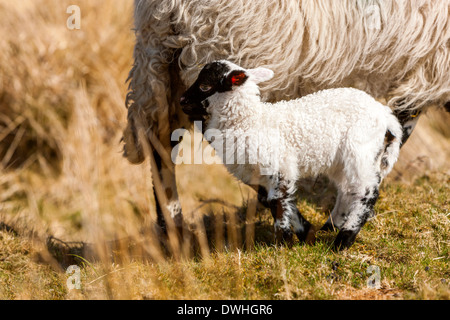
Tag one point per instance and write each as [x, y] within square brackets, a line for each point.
[132, 150]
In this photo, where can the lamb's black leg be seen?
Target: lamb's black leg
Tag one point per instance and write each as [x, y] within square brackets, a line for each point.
[288, 219]
[345, 239]
[357, 218]
[262, 197]
[302, 228]
[328, 226]
[447, 106]
[283, 231]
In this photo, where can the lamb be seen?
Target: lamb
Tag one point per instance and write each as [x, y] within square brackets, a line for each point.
[343, 133]
[397, 51]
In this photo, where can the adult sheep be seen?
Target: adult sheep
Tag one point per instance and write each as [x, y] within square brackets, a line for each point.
[394, 50]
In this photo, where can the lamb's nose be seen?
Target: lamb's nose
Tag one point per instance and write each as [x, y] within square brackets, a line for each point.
[182, 100]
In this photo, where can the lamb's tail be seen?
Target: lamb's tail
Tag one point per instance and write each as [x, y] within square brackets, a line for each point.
[392, 143]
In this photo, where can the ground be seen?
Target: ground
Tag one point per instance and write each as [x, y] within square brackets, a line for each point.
[406, 247]
[68, 197]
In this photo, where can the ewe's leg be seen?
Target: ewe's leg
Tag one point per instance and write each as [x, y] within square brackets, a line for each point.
[428, 81]
[166, 175]
[360, 209]
[138, 144]
[408, 119]
[152, 103]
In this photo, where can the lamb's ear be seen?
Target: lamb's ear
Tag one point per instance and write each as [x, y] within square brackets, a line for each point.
[237, 77]
[261, 74]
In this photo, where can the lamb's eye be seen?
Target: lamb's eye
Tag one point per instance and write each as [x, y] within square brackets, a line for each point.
[205, 87]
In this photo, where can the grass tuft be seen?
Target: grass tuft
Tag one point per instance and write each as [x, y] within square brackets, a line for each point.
[67, 196]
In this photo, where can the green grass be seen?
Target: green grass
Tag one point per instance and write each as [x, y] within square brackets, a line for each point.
[62, 174]
[408, 241]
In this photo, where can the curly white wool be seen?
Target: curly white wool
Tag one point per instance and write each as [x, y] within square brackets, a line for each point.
[326, 132]
[343, 133]
[394, 50]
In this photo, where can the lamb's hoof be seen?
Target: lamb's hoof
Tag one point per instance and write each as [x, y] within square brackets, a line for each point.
[284, 238]
[328, 226]
[344, 240]
[307, 235]
[311, 237]
[132, 150]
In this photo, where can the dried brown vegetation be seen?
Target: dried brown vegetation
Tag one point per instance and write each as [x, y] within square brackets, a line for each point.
[62, 174]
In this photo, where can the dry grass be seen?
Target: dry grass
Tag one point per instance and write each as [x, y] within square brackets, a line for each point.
[62, 174]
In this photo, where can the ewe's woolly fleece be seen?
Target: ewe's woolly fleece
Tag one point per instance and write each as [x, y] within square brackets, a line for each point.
[398, 50]
[394, 50]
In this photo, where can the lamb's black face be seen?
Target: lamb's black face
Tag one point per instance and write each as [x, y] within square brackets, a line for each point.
[214, 77]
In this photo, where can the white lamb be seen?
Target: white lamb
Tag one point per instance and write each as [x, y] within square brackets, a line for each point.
[343, 133]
